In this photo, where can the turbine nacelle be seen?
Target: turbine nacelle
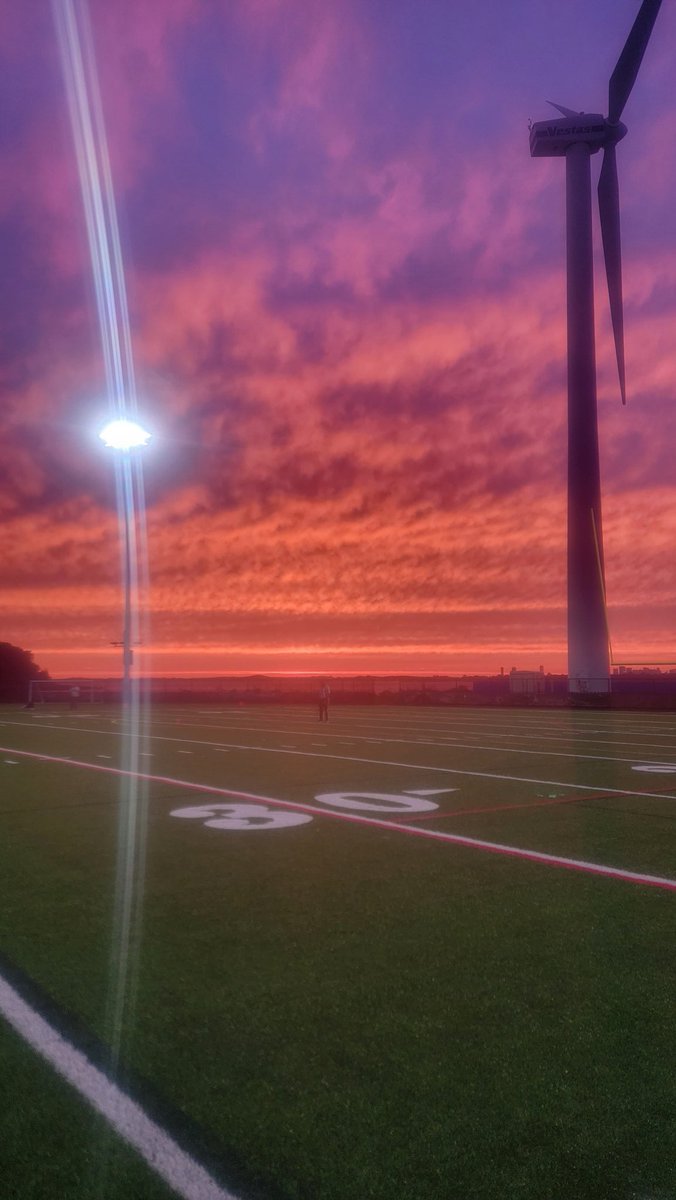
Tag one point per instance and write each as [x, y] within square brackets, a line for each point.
[554, 138]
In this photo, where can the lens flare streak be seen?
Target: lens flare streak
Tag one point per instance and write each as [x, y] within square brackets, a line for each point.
[93, 161]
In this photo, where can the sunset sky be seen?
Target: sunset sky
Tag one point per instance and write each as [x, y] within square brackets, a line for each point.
[346, 280]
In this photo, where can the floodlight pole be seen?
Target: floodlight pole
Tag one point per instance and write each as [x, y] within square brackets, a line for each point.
[588, 652]
[127, 651]
[124, 436]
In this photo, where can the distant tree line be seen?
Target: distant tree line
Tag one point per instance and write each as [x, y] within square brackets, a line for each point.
[17, 668]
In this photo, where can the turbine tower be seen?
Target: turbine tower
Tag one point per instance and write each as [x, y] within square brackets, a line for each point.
[577, 136]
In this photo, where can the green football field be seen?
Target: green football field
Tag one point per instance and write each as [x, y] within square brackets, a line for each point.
[411, 954]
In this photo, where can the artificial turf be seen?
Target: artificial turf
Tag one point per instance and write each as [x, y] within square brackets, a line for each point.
[333, 1011]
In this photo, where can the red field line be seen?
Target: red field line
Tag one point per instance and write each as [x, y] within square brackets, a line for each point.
[464, 812]
[535, 856]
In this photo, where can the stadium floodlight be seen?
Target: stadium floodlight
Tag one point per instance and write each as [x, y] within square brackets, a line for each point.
[576, 136]
[124, 435]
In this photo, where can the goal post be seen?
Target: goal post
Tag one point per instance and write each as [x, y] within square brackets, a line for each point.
[71, 692]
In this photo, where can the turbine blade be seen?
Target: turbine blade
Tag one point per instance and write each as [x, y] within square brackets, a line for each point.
[567, 112]
[609, 210]
[623, 77]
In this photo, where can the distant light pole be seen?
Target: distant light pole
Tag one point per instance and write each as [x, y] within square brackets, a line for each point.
[124, 436]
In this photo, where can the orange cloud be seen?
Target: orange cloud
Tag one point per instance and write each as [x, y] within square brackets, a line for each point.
[349, 326]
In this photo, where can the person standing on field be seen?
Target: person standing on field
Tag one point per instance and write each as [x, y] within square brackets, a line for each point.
[324, 696]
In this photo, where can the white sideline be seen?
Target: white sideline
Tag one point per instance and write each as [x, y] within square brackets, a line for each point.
[159, 1151]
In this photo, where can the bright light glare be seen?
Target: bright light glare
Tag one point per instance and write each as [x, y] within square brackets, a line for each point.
[124, 435]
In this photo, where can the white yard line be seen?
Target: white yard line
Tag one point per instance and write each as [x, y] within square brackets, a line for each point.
[162, 1154]
[443, 721]
[454, 745]
[554, 860]
[456, 723]
[448, 743]
[383, 762]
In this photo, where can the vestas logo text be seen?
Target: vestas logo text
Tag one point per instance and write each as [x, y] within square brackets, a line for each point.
[557, 131]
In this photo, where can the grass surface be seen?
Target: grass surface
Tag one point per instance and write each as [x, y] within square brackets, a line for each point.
[337, 1011]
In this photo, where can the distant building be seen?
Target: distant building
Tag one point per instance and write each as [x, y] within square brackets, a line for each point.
[526, 683]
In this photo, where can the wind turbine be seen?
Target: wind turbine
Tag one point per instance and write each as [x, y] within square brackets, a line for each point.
[577, 136]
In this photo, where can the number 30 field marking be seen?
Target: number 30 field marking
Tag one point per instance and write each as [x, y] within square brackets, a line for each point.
[232, 816]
